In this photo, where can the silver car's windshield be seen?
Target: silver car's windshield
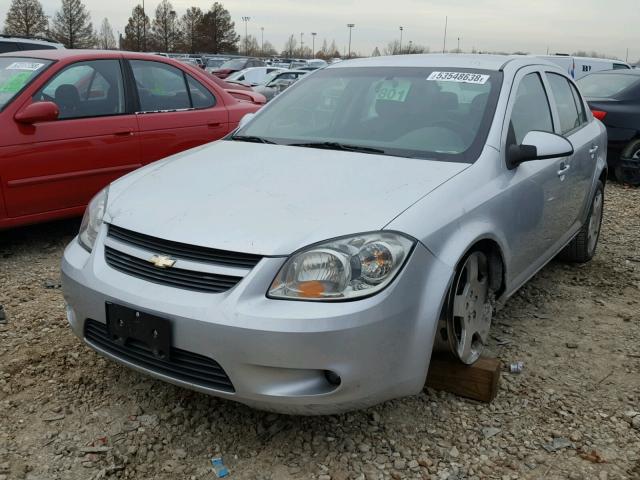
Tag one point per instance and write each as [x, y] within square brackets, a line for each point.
[402, 111]
[16, 73]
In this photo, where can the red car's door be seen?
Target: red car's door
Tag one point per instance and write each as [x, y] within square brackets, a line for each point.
[59, 165]
[176, 111]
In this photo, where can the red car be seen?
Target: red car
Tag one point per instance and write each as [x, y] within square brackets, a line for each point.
[71, 121]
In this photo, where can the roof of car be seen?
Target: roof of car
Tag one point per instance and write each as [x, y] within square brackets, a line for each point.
[442, 60]
[23, 39]
[617, 71]
[63, 54]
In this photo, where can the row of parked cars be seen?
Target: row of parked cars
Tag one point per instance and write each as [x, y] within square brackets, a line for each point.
[289, 266]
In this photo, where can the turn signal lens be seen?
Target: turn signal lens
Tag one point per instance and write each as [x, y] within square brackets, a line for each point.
[599, 114]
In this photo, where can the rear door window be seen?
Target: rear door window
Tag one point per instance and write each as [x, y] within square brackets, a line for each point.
[200, 96]
[86, 89]
[160, 86]
[570, 119]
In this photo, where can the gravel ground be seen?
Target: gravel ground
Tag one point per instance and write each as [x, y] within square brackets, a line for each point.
[574, 412]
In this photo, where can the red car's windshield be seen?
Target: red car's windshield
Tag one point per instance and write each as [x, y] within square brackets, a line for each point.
[15, 74]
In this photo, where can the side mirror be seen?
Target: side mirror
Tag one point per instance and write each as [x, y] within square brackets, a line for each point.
[38, 112]
[246, 119]
[538, 146]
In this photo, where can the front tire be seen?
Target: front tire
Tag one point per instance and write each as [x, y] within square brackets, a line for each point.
[583, 246]
[470, 309]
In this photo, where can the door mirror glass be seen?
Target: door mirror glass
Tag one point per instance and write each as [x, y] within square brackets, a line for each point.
[246, 119]
[539, 146]
[38, 112]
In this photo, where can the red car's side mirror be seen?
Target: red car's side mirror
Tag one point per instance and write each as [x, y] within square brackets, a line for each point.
[38, 112]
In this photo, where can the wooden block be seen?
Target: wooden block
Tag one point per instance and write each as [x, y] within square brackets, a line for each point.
[478, 381]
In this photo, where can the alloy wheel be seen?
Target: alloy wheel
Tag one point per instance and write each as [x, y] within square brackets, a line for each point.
[471, 310]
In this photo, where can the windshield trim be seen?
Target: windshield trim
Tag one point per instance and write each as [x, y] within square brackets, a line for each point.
[19, 92]
[470, 155]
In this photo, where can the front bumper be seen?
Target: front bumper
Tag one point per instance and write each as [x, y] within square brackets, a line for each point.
[277, 352]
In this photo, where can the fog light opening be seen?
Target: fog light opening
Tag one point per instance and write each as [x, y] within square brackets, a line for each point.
[333, 378]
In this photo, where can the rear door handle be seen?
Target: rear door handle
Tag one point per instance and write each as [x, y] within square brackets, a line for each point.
[593, 149]
[214, 124]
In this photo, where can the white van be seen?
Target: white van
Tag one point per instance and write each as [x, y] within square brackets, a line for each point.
[9, 43]
[578, 67]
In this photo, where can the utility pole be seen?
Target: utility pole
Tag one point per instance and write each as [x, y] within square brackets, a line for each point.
[246, 40]
[401, 29]
[262, 42]
[458, 44]
[301, 45]
[627, 58]
[350, 26]
[410, 46]
[444, 44]
[313, 43]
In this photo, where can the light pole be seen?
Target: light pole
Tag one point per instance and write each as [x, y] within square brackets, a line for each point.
[301, 45]
[313, 43]
[459, 45]
[246, 40]
[401, 29]
[350, 26]
[262, 41]
[410, 46]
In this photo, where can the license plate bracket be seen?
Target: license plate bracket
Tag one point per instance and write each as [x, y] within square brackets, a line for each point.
[127, 324]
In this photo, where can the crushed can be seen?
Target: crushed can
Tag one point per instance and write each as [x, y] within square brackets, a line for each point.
[516, 367]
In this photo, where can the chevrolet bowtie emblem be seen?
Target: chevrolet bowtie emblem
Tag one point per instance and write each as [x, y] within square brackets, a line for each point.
[162, 261]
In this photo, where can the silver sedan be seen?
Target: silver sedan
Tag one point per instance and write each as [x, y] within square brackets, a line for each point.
[311, 261]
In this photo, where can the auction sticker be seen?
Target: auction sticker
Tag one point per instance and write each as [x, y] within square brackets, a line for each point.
[31, 66]
[394, 90]
[460, 77]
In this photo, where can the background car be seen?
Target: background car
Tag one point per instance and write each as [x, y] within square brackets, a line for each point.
[379, 208]
[614, 99]
[252, 76]
[72, 121]
[235, 65]
[213, 63]
[9, 43]
[278, 82]
[578, 67]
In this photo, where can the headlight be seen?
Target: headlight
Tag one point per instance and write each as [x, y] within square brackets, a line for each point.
[344, 268]
[92, 219]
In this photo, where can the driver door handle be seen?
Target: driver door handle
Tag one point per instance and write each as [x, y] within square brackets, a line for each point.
[593, 149]
[564, 168]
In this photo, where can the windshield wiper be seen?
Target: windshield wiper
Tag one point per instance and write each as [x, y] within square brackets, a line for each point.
[252, 139]
[338, 146]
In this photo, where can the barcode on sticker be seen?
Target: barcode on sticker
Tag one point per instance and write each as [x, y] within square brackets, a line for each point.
[460, 77]
[31, 66]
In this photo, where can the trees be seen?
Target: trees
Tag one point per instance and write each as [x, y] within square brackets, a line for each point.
[376, 52]
[165, 32]
[290, 46]
[106, 38]
[26, 18]
[72, 25]
[249, 46]
[217, 32]
[137, 31]
[189, 28]
[268, 50]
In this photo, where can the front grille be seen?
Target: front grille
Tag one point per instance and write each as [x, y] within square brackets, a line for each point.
[183, 250]
[173, 277]
[181, 365]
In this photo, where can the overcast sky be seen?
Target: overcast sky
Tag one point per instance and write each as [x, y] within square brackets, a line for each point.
[509, 25]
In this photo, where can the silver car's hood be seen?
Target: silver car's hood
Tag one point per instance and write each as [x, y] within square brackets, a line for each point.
[269, 199]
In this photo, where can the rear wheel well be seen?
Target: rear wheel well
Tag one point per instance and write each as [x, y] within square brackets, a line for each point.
[603, 176]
